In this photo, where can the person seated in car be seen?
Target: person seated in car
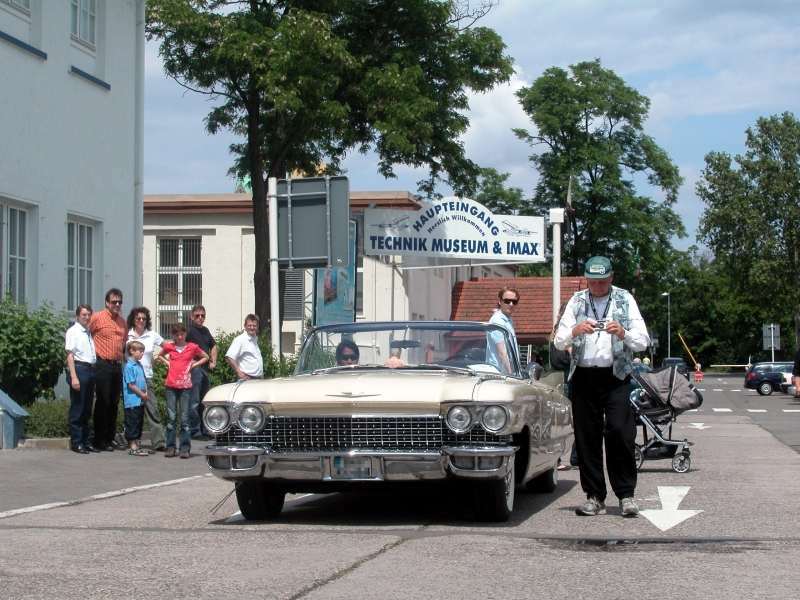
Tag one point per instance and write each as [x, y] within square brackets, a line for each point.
[347, 353]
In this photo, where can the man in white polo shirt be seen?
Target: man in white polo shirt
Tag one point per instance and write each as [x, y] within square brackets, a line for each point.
[244, 355]
[81, 359]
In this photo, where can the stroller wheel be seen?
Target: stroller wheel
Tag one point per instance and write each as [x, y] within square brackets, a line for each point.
[638, 456]
[681, 462]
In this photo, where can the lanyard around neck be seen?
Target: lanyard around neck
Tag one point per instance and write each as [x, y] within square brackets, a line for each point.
[594, 310]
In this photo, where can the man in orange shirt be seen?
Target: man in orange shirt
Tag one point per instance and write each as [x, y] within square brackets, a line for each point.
[109, 331]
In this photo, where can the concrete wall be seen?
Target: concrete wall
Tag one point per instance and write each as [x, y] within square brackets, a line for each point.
[69, 144]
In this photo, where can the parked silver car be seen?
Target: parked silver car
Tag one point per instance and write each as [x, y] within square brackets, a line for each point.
[408, 402]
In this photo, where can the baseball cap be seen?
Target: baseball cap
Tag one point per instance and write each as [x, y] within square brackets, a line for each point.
[597, 267]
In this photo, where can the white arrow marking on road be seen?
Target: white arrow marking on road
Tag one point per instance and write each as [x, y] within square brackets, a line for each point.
[669, 515]
[699, 426]
[722, 410]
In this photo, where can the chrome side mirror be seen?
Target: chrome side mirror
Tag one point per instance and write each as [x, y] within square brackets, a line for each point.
[535, 371]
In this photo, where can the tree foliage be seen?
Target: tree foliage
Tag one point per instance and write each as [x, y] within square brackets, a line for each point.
[304, 82]
[752, 219]
[590, 127]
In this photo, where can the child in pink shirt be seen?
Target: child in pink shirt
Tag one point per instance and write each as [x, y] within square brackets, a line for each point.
[180, 357]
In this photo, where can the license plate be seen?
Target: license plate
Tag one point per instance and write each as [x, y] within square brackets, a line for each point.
[351, 467]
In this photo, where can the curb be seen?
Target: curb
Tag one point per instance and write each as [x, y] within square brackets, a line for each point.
[44, 444]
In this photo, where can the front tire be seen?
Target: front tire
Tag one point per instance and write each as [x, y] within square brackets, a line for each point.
[494, 500]
[259, 500]
[765, 389]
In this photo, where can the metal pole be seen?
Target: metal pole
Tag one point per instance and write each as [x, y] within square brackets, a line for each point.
[556, 219]
[669, 327]
[274, 271]
[772, 339]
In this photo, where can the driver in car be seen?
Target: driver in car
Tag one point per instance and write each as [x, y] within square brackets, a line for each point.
[347, 353]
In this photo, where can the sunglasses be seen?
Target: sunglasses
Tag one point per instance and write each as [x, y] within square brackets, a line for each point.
[140, 319]
[510, 301]
[115, 301]
[199, 316]
[349, 357]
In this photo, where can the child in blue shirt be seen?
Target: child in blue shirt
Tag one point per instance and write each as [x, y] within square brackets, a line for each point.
[134, 393]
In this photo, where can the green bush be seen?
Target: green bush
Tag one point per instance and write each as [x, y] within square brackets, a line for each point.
[48, 419]
[32, 354]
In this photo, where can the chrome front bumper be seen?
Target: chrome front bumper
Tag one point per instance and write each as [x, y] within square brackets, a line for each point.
[232, 463]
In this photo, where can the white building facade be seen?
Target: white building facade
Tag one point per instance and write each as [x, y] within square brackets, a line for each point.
[199, 249]
[71, 133]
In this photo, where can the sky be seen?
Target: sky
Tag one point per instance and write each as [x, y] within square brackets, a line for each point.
[710, 70]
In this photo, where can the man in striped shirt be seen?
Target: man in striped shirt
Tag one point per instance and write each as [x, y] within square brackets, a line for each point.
[109, 332]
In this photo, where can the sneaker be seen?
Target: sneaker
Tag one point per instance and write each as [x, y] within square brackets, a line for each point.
[184, 454]
[628, 507]
[169, 453]
[590, 508]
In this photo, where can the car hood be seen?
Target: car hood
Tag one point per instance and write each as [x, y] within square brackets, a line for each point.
[361, 392]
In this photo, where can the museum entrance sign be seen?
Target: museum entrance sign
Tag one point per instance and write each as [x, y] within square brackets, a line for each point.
[454, 228]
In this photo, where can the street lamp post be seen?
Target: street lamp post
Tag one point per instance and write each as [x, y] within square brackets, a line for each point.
[669, 325]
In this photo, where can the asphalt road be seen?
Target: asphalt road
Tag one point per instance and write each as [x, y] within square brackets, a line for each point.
[739, 537]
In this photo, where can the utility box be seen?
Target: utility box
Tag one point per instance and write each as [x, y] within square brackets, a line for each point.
[12, 422]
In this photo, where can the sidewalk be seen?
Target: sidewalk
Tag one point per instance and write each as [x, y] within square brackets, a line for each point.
[42, 476]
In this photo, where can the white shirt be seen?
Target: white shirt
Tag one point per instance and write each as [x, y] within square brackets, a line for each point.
[150, 339]
[79, 342]
[244, 351]
[597, 350]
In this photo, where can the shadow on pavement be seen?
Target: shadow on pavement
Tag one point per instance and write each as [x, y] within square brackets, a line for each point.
[403, 506]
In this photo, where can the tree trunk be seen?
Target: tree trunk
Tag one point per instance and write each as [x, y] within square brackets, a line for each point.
[260, 213]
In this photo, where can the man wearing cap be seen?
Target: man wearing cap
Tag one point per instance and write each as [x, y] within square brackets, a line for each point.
[604, 327]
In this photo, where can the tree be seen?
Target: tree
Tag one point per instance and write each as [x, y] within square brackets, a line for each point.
[752, 220]
[306, 81]
[492, 192]
[589, 127]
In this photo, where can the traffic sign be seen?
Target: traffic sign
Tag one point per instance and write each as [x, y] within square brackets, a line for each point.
[771, 333]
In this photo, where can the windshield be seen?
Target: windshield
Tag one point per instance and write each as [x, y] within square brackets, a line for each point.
[477, 347]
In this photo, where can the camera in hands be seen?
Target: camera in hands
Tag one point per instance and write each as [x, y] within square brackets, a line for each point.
[600, 325]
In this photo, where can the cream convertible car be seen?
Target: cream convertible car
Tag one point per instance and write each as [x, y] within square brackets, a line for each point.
[372, 403]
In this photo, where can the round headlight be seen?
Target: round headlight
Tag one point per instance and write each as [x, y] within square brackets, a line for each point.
[458, 419]
[494, 418]
[251, 419]
[216, 419]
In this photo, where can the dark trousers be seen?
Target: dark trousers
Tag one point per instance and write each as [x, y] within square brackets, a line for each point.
[108, 388]
[80, 405]
[200, 386]
[601, 411]
[134, 418]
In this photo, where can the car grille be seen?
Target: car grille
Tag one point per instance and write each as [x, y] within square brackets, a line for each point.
[297, 434]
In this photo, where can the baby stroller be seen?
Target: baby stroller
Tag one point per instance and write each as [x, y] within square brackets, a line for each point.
[661, 396]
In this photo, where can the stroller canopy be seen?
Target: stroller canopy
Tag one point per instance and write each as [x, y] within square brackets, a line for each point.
[670, 388]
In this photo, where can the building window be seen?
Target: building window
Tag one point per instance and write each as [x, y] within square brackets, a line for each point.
[294, 292]
[83, 18]
[180, 281]
[80, 263]
[14, 253]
